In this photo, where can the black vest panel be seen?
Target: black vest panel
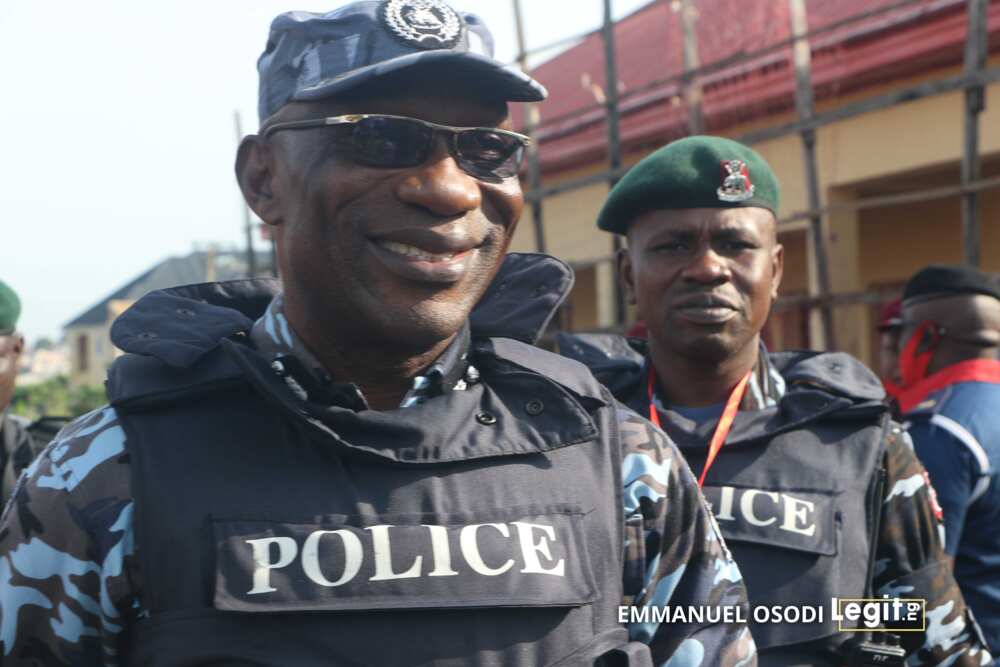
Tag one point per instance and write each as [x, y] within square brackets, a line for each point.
[795, 511]
[482, 527]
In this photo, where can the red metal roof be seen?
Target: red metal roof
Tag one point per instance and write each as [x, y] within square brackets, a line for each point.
[902, 41]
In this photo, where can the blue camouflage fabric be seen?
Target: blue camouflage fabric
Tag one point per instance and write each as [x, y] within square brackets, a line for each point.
[910, 557]
[70, 585]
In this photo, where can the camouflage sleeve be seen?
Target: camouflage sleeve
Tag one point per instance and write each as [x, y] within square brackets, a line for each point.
[67, 574]
[911, 562]
[685, 562]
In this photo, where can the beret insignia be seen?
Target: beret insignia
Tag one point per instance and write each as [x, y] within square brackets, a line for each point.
[736, 185]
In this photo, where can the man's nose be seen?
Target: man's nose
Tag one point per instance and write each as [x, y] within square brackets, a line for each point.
[707, 267]
[440, 186]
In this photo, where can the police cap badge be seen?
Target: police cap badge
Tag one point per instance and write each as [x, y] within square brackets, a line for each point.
[426, 24]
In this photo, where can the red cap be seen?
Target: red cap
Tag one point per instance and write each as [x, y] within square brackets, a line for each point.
[891, 315]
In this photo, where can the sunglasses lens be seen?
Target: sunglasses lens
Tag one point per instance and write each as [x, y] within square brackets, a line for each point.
[489, 154]
[391, 142]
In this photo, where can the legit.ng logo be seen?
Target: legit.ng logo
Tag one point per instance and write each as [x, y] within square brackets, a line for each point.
[880, 614]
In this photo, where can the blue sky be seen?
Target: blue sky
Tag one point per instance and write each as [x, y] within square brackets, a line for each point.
[117, 119]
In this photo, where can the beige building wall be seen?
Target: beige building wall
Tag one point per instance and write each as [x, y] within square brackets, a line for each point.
[90, 348]
[911, 146]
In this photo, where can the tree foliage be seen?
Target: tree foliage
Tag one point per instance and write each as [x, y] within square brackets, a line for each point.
[56, 397]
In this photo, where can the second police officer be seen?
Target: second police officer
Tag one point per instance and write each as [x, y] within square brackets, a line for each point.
[795, 450]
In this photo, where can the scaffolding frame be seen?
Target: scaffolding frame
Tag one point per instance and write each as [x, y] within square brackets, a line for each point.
[973, 81]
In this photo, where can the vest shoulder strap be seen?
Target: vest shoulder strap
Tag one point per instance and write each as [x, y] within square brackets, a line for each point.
[567, 373]
[138, 382]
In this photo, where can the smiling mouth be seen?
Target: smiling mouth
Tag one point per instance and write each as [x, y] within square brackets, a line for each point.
[416, 264]
[414, 252]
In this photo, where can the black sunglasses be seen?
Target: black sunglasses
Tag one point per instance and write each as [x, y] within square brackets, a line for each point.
[398, 141]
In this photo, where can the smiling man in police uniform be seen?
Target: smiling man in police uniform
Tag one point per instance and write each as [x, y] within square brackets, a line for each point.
[806, 435]
[373, 466]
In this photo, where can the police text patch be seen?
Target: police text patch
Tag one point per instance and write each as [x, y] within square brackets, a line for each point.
[799, 520]
[344, 564]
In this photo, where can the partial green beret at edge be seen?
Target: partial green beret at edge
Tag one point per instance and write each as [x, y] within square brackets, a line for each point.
[694, 172]
[10, 308]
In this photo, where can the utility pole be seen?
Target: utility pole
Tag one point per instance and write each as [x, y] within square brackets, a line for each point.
[247, 223]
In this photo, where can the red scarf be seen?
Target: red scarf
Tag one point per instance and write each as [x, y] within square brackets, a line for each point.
[973, 370]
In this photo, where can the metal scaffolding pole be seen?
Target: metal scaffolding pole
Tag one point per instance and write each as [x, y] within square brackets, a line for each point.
[804, 104]
[530, 124]
[975, 102]
[692, 87]
[614, 135]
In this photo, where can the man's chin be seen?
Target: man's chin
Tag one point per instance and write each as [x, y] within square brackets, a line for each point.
[709, 348]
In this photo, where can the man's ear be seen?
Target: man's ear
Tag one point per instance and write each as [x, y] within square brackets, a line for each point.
[255, 175]
[777, 269]
[627, 275]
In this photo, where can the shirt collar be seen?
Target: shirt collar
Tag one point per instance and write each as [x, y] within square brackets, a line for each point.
[273, 336]
[764, 389]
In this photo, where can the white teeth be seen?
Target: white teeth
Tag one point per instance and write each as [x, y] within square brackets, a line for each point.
[416, 253]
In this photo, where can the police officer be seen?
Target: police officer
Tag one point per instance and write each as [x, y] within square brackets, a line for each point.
[361, 469]
[806, 435]
[951, 387]
[16, 444]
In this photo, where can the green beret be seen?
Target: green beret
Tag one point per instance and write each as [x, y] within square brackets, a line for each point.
[10, 308]
[695, 172]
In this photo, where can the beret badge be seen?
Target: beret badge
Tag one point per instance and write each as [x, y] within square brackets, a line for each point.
[736, 185]
[424, 24]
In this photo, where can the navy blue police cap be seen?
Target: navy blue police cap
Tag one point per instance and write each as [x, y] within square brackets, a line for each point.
[939, 281]
[312, 56]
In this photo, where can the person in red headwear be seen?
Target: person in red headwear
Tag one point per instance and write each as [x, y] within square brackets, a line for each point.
[950, 394]
[890, 323]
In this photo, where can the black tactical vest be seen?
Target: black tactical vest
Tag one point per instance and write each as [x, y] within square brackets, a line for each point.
[483, 527]
[792, 490]
[795, 511]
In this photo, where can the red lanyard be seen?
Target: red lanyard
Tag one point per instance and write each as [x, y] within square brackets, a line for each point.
[725, 421]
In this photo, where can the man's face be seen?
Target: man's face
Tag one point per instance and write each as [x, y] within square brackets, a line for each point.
[703, 279]
[10, 352]
[392, 254]
[889, 354]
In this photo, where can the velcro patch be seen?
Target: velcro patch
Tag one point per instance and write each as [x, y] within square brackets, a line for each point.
[344, 564]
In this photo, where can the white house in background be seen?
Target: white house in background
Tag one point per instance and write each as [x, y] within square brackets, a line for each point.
[88, 334]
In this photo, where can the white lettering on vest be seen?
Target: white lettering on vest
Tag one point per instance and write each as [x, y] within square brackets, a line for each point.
[746, 506]
[796, 515]
[796, 510]
[442, 553]
[353, 555]
[383, 557]
[530, 549]
[262, 565]
[470, 549]
[726, 505]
